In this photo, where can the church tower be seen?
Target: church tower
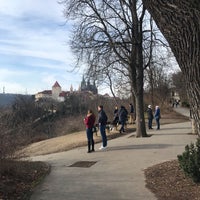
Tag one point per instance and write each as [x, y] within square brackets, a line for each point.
[83, 84]
[56, 90]
[87, 86]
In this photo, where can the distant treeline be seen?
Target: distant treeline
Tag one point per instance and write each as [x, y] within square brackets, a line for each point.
[9, 99]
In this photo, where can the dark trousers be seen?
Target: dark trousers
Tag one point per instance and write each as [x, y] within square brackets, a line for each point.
[150, 123]
[102, 129]
[90, 139]
[158, 123]
[122, 126]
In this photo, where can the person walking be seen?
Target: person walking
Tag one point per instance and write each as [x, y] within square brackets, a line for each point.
[102, 120]
[89, 122]
[157, 116]
[122, 118]
[115, 118]
[150, 116]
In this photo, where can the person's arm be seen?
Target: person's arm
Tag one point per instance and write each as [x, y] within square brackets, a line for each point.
[86, 121]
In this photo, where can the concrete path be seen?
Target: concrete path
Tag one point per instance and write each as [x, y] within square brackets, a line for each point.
[183, 111]
[118, 173]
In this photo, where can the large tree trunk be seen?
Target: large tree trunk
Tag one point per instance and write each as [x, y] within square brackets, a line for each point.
[179, 21]
[137, 74]
[137, 90]
[140, 121]
[137, 85]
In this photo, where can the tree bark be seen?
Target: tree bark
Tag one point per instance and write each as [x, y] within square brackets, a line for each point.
[140, 120]
[179, 21]
[137, 73]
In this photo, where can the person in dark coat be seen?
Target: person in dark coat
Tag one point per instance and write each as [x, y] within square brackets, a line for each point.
[115, 118]
[102, 120]
[157, 117]
[150, 116]
[131, 113]
[89, 123]
[122, 118]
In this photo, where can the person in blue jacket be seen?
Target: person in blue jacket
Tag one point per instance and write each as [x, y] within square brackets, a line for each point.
[157, 117]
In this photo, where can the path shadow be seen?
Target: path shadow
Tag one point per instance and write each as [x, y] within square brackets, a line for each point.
[159, 134]
[174, 128]
[138, 147]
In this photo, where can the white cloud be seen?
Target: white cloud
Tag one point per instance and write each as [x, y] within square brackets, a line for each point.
[7, 74]
[48, 8]
[8, 87]
[33, 47]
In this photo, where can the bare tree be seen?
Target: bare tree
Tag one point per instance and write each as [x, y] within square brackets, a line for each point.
[178, 82]
[157, 81]
[111, 30]
[179, 21]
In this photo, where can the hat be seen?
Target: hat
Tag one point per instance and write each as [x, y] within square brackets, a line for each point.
[149, 106]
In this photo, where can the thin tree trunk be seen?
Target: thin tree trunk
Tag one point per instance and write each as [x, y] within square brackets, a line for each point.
[179, 21]
[150, 74]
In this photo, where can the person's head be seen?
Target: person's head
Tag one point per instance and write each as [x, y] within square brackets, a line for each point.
[90, 111]
[116, 107]
[100, 107]
[130, 104]
[149, 106]
[157, 107]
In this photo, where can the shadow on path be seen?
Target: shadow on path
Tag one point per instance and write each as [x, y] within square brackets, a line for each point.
[140, 146]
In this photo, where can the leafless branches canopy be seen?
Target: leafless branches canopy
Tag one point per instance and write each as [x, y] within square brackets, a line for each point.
[108, 35]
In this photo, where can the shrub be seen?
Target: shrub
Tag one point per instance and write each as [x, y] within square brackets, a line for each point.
[185, 104]
[190, 161]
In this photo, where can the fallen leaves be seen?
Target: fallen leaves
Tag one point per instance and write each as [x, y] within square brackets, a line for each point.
[18, 178]
[168, 182]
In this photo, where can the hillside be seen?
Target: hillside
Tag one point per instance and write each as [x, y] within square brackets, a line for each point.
[77, 139]
[7, 99]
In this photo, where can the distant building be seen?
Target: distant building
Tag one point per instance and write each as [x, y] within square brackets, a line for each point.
[87, 86]
[56, 93]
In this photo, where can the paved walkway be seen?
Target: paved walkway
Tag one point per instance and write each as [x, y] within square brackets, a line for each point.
[183, 111]
[118, 173]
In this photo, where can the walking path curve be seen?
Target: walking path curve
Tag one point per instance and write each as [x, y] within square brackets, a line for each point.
[118, 173]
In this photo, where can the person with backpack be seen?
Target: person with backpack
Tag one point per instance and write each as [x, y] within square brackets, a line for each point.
[102, 120]
[131, 114]
[115, 118]
[123, 113]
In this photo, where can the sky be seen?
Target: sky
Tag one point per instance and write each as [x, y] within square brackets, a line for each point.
[34, 50]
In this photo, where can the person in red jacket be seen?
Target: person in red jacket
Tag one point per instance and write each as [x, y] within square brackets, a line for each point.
[89, 123]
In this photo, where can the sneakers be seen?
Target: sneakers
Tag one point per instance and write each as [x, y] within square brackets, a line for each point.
[102, 148]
